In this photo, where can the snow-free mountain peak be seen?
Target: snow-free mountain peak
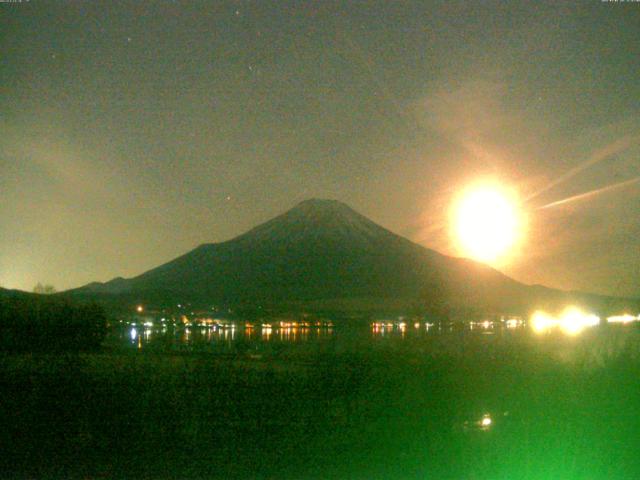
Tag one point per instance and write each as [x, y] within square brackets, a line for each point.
[319, 220]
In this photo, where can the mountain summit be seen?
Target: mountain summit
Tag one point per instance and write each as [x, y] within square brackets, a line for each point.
[317, 220]
[322, 254]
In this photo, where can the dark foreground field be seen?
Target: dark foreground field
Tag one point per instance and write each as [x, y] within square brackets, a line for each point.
[566, 409]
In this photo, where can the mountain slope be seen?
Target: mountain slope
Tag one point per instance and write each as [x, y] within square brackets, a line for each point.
[323, 251]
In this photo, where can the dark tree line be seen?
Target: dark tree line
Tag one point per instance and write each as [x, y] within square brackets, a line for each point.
[47, 324]
[44, 289]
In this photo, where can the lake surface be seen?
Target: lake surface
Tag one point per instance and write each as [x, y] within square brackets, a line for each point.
[257, 340]
[385, 400]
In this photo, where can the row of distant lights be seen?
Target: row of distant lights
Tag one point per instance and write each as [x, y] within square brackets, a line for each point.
[486, 324]
[217, 324]
[379, 326]
[573, 321]
[267, 328]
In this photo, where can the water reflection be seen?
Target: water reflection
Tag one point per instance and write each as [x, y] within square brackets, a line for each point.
[226, 336]
[400, 329]
[411, 334]
[266, 332]
[200, 334]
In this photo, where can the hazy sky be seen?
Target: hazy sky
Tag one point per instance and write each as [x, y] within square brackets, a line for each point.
[132, 132]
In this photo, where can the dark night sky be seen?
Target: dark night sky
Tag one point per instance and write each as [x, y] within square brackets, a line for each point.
[132, 132]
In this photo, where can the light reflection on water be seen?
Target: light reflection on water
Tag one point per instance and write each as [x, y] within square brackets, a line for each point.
[592, 346]
[218, 337]
[229, 336]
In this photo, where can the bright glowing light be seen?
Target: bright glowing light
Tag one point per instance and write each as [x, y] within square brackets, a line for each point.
[541, 322]
[484, 423]
[139, 308]
[572, 321]
[133, 333]
[266, 331]
[625, 318]
[512, 323]
[487, 223]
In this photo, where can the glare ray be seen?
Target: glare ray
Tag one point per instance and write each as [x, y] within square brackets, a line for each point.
[618, 146]
[592, 193]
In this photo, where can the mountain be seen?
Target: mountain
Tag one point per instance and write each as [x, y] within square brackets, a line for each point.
[323, 255]
[19, 294]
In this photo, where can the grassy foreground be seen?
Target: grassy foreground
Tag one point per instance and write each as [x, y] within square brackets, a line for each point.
[363, 414]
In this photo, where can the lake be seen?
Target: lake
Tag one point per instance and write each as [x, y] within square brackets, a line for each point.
[387, 400]
[258, 340]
